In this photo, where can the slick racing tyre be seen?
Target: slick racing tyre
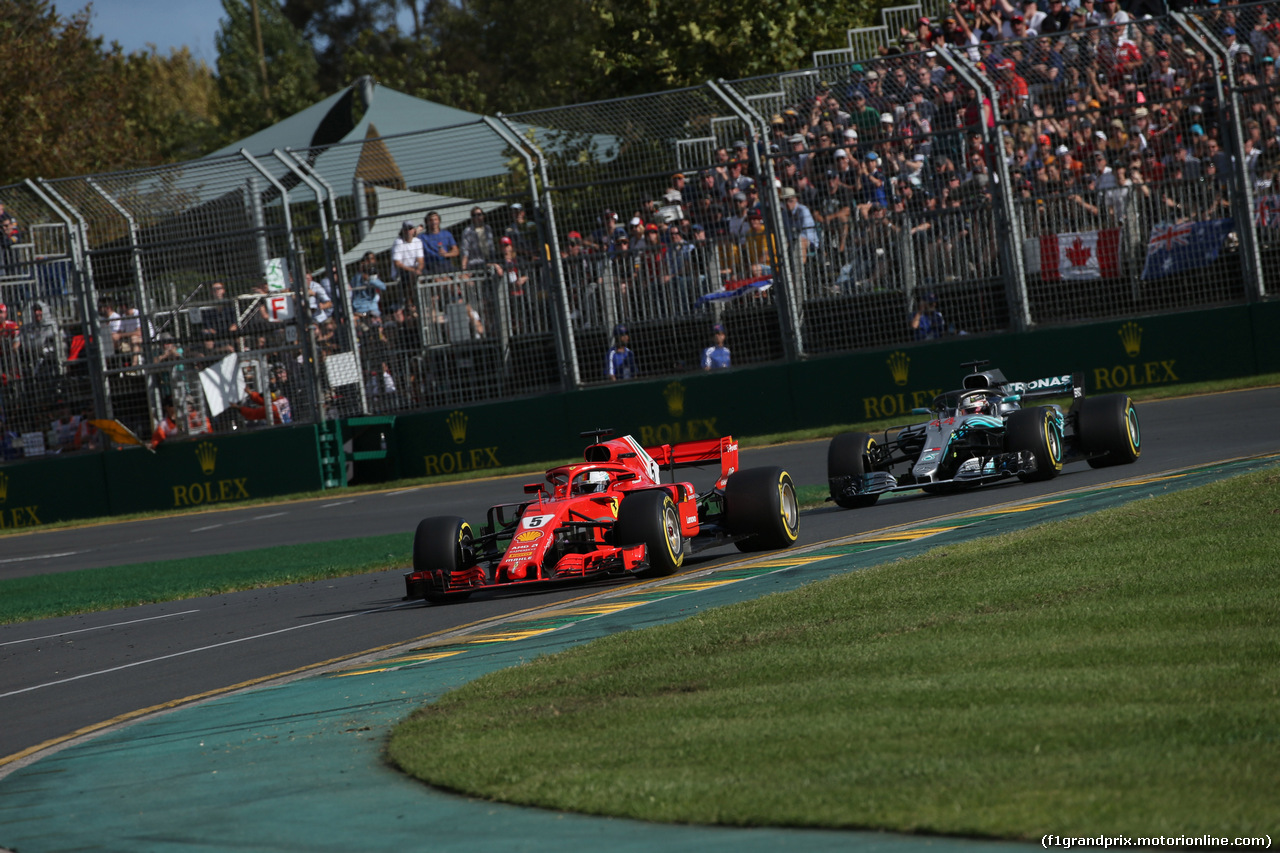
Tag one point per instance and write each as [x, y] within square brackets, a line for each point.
[1107, 427]
[442, 545]
[762, 502]
[1038, 431]
[848, 460]
[651, 518]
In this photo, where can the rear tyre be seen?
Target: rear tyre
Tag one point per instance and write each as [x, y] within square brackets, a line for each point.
[442, 545]
[1107, 427]
[762, 502]
[848, 460]
[1036, 430]
[651, 517]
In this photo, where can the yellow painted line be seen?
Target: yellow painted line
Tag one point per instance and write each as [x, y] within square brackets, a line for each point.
[1153, 480]
[602, 609]
[395, 663]
[1027, 507]
[907, 535]
[163, 706]
[509, 636]
[692, 586]
[794, 561]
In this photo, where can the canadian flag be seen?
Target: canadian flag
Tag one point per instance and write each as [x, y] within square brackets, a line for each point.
[1087, 254]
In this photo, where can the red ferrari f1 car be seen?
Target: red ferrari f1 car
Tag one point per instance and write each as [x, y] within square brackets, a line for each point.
[610, 515]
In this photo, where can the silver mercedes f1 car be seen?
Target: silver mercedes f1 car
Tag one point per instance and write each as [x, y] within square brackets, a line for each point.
[983, 433]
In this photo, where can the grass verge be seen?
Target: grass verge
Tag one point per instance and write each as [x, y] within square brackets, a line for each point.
[1115, 674]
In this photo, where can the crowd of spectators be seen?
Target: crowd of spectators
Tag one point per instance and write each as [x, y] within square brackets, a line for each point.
[1104, 115]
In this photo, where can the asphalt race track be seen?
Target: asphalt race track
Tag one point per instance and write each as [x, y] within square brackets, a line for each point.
[62, 676]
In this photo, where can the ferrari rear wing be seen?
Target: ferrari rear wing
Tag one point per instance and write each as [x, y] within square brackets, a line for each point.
[689, 454]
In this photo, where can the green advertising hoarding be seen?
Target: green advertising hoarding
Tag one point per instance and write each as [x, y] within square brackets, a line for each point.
[1115, 356]
[484, 437]
[213, 470]
[1119, 355]
[51, 488]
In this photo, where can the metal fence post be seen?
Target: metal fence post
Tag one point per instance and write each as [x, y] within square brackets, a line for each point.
[1242, 206]
[296, 272]
[77, 236]
[333, 255]
[144, 300]
[566, 348]
[1011, 262]
[792, 305]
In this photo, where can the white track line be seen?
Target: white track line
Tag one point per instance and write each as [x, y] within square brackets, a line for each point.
[200, 649]
[97, 628]
[41, 557]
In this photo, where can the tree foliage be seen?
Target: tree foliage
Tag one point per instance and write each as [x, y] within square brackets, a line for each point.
[247, 103]
[652, 45]
[63, 97]
[340, 32]
[173, 102]
[514, 55]
[72, 105]
[527, 54]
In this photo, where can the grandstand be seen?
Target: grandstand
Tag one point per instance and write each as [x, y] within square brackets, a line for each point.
[1023, 166]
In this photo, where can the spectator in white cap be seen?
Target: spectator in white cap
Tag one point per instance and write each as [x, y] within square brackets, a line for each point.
[407, 257]
[847, 170]
[800, 226]
[886, 125]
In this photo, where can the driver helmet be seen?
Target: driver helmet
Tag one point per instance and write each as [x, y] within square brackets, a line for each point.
[976, 406]
[595, 481]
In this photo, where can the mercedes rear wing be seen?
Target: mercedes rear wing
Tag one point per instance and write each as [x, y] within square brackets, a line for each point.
[1050, 386]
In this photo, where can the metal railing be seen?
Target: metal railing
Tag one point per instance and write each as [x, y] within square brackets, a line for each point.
[1099, 172]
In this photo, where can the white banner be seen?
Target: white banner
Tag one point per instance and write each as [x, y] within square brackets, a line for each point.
[277, 276]
[223, 385]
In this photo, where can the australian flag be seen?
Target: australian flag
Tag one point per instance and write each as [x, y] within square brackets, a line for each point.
[1186, 246]
[736, 288]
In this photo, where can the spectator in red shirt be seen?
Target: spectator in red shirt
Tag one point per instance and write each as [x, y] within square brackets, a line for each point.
[1152, 168]
[167, 427]
[1012, 89]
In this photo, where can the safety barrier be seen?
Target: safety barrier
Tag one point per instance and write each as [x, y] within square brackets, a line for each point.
[978, 192]
[215, 471]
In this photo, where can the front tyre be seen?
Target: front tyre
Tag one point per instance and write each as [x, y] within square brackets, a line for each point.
[652, 518]
[1038, 431]
[1107, 428]
[442, 545]
[762, 502]
[848, 461]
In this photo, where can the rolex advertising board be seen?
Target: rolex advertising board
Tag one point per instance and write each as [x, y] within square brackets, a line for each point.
[687, 408]
[1119, 355]
[213, 470]
[55, 488]
[460, 440]
[1265, 318]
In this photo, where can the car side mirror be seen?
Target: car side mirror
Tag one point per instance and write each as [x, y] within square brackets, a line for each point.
[920, 410]
[534, 489]
[630, 475]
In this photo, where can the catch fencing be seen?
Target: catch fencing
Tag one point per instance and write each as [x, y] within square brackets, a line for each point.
[1099, 172]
